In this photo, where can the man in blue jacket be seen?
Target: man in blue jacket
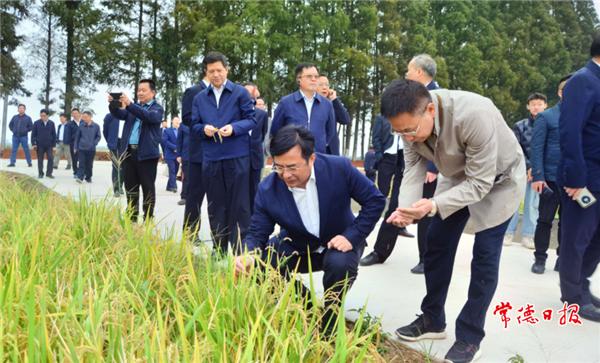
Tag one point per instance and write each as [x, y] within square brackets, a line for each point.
[86, 139]
[579, 168]
[222, 117]
[140, 139]
[110, 131]
[43, 139]
[309, 196]
[544, 157]
[342, 116]
[193, 188]
[170, 152]
[183, 145]
[307, 108]
[74, 126]
[63, 139]
[20, 125]
[257, 140]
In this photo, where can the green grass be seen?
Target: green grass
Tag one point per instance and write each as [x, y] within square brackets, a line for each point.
[79, 282]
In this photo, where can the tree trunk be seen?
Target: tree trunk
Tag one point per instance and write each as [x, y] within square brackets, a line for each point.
[138, 56]
[4, 123]
[154, 40]
[48, 63]
[69, 79]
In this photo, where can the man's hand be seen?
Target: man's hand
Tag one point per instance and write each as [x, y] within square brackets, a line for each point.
[573, 192]
[340, 243]
[430, 177]
[226, 131]
[210, 130]
[529, 177]
[179, 159]
[243, 264]
[539, 186]
[332, 95]
[34, 147]
[125, 100]
[419, 209]
[398, 219]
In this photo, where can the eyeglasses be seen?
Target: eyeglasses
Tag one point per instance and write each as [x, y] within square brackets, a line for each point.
[280, 169]
[410, 132]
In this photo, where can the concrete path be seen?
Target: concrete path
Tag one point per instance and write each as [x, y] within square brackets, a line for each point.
[393, 293]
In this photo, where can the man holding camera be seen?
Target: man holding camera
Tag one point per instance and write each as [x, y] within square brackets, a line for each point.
[140, 139]
[579, 175]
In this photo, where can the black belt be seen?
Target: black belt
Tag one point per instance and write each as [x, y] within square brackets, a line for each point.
[133, 146]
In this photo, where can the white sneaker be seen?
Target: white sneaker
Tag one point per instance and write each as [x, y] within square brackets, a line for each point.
[527, 242]
[508, 239]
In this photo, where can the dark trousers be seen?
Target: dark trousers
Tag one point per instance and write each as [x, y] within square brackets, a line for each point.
[254, 181]
[185, 167]
[340, 270]
[548, 205]
[41, 151]
[442, 241]
[193, 197]
[372, 175]
[139, 173]
[74, 158]
[173, 166]
[86, 163]
[16, 141]
[390, 169]
[423, 225]
[228, 194]
[580, 248]
[117, 170]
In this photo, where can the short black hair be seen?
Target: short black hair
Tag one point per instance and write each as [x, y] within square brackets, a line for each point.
[89, 113]
[150, 82]
[62, 114]
[43, 110]
[251, 84]
[20, 104]
[74, 109]
[403, 96]
[564, 79]
[537, 96]
[214, 57]
[302, 66]
[288, 137]
[595, 47]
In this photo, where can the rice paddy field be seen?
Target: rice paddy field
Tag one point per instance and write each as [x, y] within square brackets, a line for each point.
[80, 283]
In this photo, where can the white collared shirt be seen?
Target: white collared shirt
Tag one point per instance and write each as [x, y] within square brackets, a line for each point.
[307, 202]
[219, 91]
[396, 145]
[206, 83]
[308, 102]
[61, 132]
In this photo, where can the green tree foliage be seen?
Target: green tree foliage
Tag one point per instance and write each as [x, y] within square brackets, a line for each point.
[11, 73]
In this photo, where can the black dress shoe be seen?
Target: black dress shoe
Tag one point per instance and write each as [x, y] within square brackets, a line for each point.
[419, 269]
[50, 176]
[40, 176]
[590, 312]
[595, 300]
[538, 267]
[404, 233]
[370, 259]
[11, 165]
[181, 202]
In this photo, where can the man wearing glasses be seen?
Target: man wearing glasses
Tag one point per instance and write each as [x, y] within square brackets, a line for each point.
[466, 137]
[309, 197]
[307, 108]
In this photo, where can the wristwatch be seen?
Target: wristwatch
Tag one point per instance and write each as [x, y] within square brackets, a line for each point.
[433, 209]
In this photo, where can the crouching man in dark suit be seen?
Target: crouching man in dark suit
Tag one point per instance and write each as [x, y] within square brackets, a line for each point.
[309, 197]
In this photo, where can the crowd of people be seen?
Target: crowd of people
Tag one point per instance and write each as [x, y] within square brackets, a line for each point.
[444, 159]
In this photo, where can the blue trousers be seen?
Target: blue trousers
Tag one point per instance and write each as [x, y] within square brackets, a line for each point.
[16, 141]
[442, 241]
[228, 193]
[530, 214]
[579, 249]
[193, 196]
[86, 164]
[173, 166]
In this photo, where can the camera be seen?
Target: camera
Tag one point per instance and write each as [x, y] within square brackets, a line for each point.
[585, 198]
[115, 103]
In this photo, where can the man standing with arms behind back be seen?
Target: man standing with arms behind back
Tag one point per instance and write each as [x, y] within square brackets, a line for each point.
[579, 169]
[43, 139]
[483, 171]
[20, 125]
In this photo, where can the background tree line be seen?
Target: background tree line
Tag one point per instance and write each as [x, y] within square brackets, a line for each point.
[504, 50]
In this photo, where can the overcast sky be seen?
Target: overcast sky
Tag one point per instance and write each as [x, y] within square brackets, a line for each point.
[34, 84]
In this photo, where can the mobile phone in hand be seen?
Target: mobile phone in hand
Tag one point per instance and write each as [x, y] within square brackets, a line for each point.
[585, 198]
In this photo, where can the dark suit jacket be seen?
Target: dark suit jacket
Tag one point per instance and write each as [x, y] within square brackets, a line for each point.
[110, 130]
[580, 130]
[183, 142]
[194, 142]
[257, 139]
[169, 142]
[338, 182]
[66, 133]
[43, 136]
[342, 117]
[150, 135]
[382, 137]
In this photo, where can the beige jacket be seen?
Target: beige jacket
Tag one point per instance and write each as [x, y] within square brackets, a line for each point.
[480, 161]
